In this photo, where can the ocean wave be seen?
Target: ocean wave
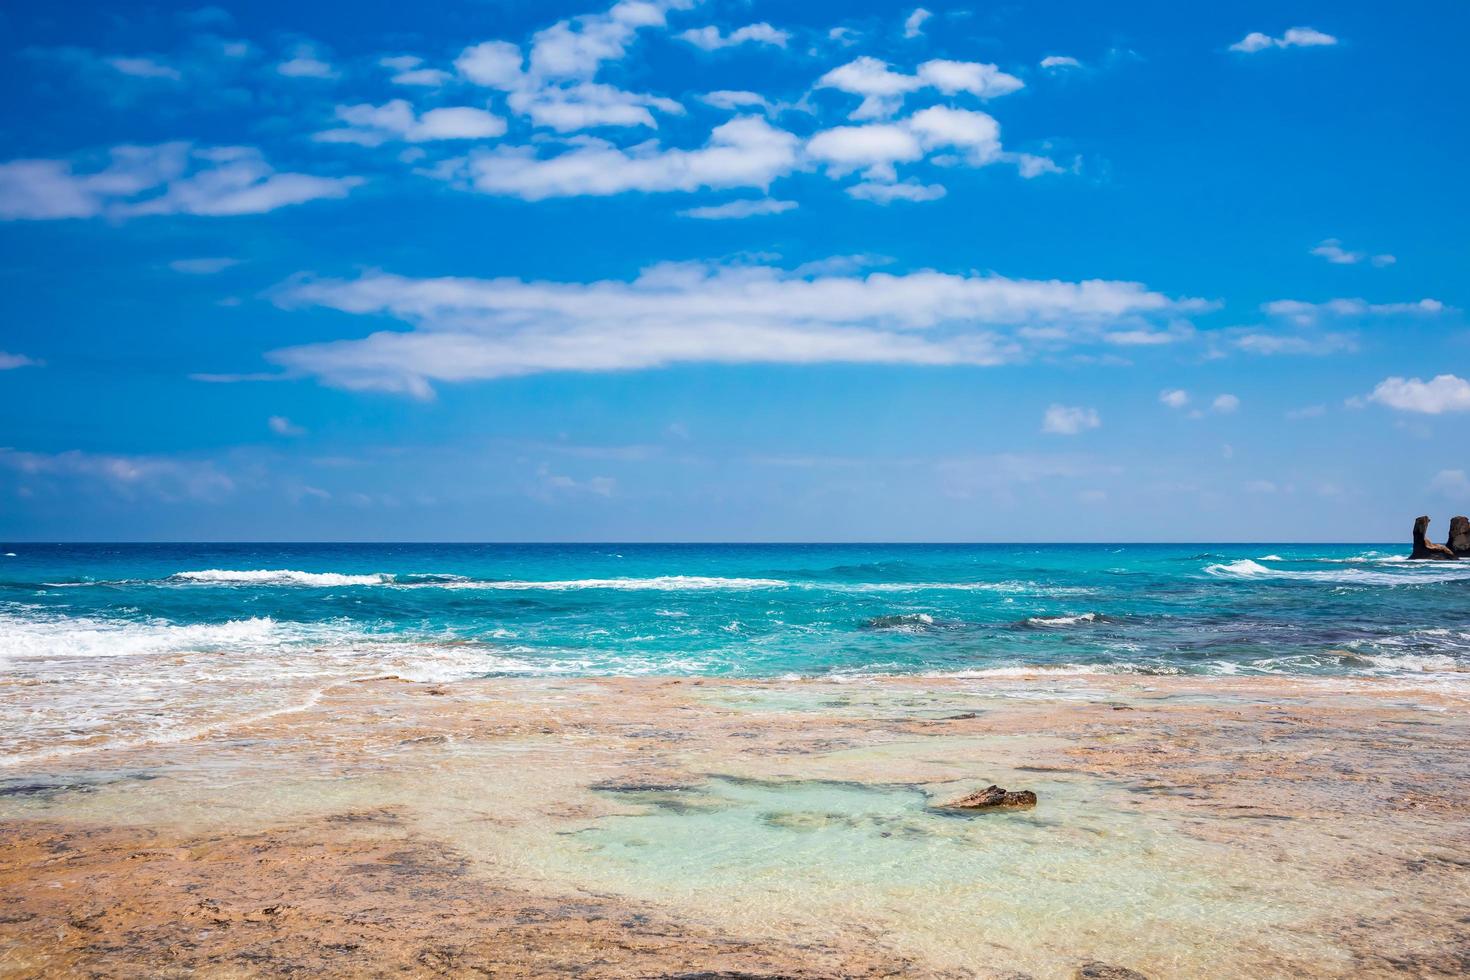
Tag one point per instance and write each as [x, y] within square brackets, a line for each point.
[1405, 573]
[660, 583]
[902, 623]
[270, 578]
[287, 576]
[1053, 621]
[23, 637]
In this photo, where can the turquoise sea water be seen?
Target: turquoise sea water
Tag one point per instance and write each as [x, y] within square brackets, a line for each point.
[109, 644]
[751, 609]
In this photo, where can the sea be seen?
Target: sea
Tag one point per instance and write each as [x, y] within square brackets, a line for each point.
[106, 644]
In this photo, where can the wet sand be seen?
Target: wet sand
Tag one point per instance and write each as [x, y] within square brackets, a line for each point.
[658, 827]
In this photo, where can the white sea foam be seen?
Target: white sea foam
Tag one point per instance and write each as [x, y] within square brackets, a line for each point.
[657, 583]
[1062, 620]
[1408, 574]
[287, 576]
[661, 583]
[82, 684]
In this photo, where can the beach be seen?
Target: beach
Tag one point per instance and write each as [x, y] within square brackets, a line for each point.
[781, 827]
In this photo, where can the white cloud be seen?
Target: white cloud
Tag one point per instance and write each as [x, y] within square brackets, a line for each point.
[908, 190]
[978, 79]
[559, 483]
[744, 152]
[422, 78]
[883, 89]
[283, 426]
[1225, 404]
[305, 65]
[1296, 37]
[845, 149]
[1067, 420]
[169, 178]
[711, 39]
[1174, 397]
[582, 105]
[1307, 313]
[1451, 483]
[493, 64]
[877, 148]
[202, 267]
[1312, 343]
[1260, 486]
[129, 476]
[913, 24]
[733, 99]
[9, 362]
[408, 70]
[370, 125]
[466, 329]
[145, 68]
[1060, 61]
[576, 48]
[1307, 412]
[740, 209]
[1331, 249]
[1443, 393]
[557, 89]
[977, 133]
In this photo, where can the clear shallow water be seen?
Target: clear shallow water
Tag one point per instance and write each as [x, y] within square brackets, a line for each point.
[100, 643]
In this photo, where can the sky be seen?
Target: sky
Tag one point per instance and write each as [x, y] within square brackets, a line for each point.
[670, 270]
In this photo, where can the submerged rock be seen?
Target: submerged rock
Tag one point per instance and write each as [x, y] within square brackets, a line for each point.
[991, 798]
[1426, 550]
[1459, 541]
[1093, 970]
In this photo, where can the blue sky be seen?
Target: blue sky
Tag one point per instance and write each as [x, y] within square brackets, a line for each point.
[733, 271]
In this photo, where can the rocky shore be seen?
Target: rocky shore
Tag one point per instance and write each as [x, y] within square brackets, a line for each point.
[659, 827]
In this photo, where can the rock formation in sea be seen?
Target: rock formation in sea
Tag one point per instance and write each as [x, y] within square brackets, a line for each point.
[1459, 541]
[1426, 550]
[992, 797]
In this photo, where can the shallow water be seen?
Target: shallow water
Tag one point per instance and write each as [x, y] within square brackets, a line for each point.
[117, 644]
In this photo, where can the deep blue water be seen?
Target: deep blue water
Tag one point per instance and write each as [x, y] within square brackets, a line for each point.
[759, 610]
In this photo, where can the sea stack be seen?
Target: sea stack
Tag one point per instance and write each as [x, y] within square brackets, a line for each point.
[1459, 541]
[1426, 550]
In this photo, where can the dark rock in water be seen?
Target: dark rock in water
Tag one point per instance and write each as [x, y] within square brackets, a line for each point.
[1093, 970]
[1459, 541]
[991, 798]
[1426, 550]
[903, 623]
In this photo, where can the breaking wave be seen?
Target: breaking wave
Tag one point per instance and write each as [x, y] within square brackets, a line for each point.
[1402, 573]
[262, 576]
[1054, 621]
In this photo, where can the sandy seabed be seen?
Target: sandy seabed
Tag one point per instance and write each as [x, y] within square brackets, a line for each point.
[654, 827]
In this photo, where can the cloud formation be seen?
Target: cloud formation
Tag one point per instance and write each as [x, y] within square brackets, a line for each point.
[467, 329]
[883, 89]
[1331, 249]
[1442, 393]
[161, 477]
[1296, 37]
[712, 39]
[748, 208]
[370, 125]
[913, 24]
[1067, 420]
[1302, 312]
[168, 178]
